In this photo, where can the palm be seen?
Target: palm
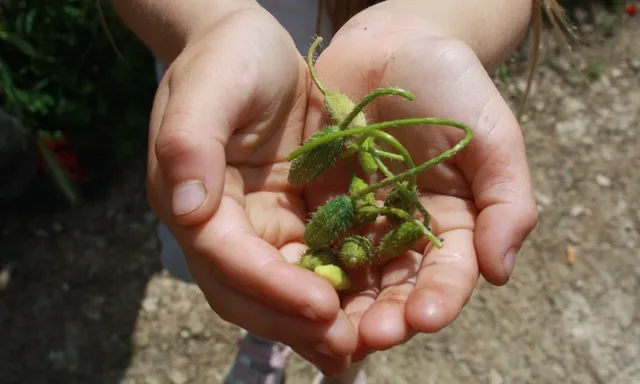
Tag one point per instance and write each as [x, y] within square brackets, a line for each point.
[235, 242]
[425, 289]
[257, 181]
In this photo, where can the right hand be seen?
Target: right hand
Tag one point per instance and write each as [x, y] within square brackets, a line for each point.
[229, 110]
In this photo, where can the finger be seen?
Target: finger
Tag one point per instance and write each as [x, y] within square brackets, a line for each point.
[365, 290]
[494, 163]
[210, 92]
[384, 325]
[336, 337]
[233, 252]
[445, 282]
[188, 137]
[497, 169]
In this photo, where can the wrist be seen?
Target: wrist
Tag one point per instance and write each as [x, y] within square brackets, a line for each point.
[492, 28]
[167, 26]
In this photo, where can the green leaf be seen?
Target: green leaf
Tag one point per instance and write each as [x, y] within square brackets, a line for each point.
[23, 45]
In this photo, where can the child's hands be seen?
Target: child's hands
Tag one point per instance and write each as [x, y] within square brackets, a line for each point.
[481, 201]
[229, 110]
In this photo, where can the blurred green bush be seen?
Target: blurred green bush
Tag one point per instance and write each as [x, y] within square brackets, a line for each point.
[60, 72]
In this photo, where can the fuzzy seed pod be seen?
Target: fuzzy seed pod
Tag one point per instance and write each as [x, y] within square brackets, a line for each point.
[330, 220]
[397, 199]
[312, 164]
[365, 207]
[356, 251]
[398, 240]
[339, 106]
[366, 159]
[336, 276]
[312, 259]
[367, 162]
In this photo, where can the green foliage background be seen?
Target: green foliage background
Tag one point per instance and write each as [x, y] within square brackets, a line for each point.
[59, 72]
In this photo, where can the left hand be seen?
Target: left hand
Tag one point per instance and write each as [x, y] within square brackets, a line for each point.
[481, 201]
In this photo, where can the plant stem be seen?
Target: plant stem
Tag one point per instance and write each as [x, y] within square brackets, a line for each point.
[369, 98]
[407, 217]
[407, 194]
[422, 167]
[388, 155]
[312, 70]
[406, 156]
[378, 126]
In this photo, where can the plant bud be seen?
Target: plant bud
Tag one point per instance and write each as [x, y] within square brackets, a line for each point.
[330, 220]
[399, 240]
[365, 207]
[356, 251]
[313, 163]
[366, 159]
[397, 199]
[336, 276]
[312, 259]
[367, 162]
[339, 106]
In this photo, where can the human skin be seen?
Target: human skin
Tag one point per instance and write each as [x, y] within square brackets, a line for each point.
[237, 99]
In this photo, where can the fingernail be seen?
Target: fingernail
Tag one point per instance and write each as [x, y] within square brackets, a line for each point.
[188, 196]
[509, 262]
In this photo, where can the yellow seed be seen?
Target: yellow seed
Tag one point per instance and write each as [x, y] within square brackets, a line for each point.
[335, 275]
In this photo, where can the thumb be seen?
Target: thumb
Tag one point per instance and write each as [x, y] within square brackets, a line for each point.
[194, 114]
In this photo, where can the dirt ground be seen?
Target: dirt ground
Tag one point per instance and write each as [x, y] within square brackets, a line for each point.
[83, 298]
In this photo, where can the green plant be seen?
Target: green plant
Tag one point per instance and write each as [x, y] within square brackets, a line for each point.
[330, 253]
[59, 73]
[503, 73]
[595, 69]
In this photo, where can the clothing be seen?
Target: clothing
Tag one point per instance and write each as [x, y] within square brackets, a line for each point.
[299, 18]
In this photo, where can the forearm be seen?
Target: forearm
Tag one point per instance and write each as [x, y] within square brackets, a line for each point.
[166, 26]
[492, 28]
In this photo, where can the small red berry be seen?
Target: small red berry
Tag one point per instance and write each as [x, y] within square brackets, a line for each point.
[631, 9]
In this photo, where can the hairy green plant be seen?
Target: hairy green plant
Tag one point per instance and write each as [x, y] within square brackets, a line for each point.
[350, 136]
[330, 220]
[399, 239]
[356, 251]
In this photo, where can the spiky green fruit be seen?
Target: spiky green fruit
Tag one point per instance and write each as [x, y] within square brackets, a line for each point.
[365, 206]
[335, 275]
[339, 106]
[330, 221]
[399, 240]
[366, 159]
[355, 251]
[312, 164]
[367, 162]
